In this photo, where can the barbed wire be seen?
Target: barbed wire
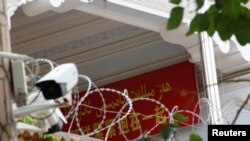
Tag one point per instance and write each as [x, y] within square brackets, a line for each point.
[78, 101]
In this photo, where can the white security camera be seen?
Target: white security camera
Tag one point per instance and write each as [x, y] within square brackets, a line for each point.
[58, 81]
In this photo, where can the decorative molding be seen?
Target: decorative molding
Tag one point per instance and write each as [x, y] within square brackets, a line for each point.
[136, 71]
[191, 43]
[12, 6]
[244, 50]
[100, 53]
[80, 43]
[40, 6]
[136, 41]
[71, 34]
[230, 56]
[118, 65]
[56, 23]
[146, 19]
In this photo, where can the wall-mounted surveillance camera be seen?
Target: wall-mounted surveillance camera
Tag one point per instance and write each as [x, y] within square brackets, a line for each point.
[59, 81]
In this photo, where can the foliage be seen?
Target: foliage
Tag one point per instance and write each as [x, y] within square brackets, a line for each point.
[29, 120]
[170, 129]
[180, 118]
[227, 17]
[195, 137]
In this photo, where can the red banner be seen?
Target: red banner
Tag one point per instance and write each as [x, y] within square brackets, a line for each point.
[172, 86]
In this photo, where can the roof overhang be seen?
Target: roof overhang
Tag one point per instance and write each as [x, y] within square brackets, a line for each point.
[151, 15]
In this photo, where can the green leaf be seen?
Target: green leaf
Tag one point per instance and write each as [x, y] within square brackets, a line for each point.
[244, 1]
[180, 117]
[232, 9]
[167, 130]
[199, 23]
[222, 26]
[211, 28]
[199, 3]
[195, 137]
[242, 40]
[243, 30]
[175, 19]
[219, 3]
[234, 27]
[213, 10]
[204, 22]
[245, 11]
[54, 138]
[195, 24]
[211, 17]
[175, 1]
[29, 120]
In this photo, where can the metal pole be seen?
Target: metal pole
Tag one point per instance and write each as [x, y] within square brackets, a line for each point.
[210, 76]
[7, 126]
